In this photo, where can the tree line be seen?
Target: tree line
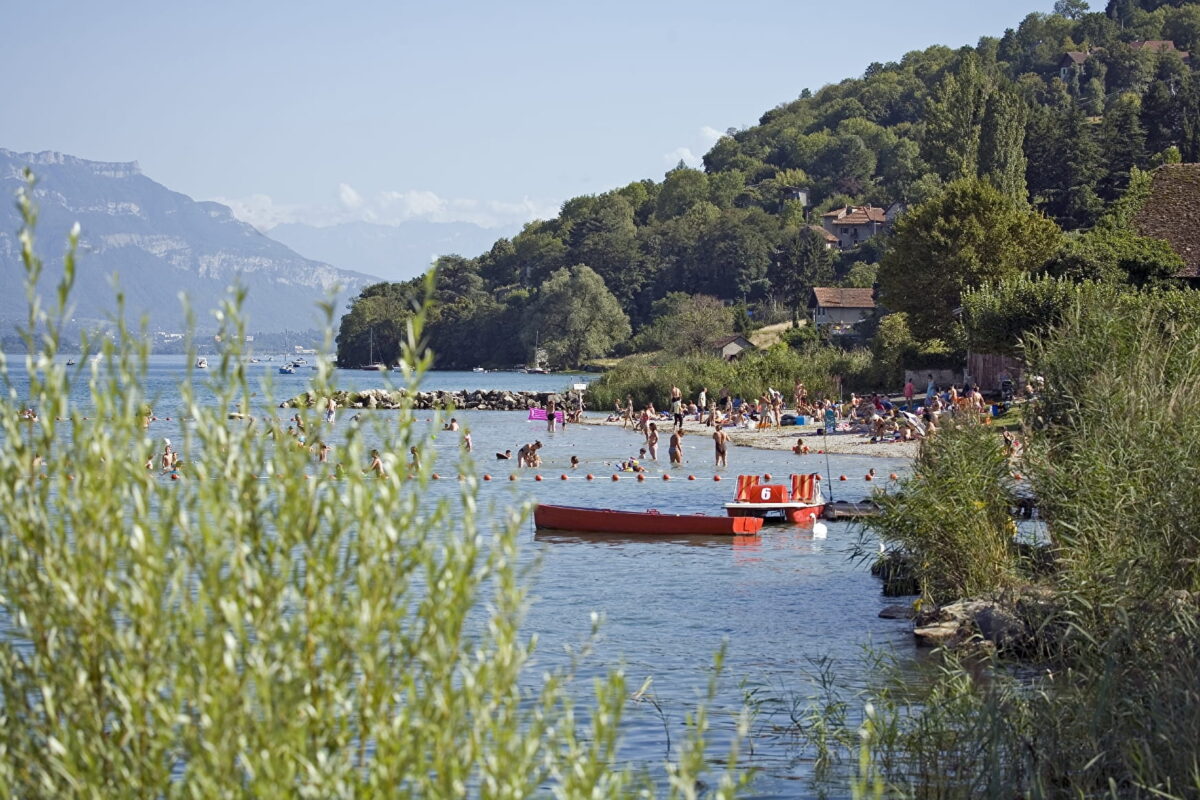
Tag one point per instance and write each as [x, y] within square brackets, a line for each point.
[1012, 123]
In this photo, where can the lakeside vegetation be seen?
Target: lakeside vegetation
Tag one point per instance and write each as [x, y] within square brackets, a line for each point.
[248, 629]
[1101, 611]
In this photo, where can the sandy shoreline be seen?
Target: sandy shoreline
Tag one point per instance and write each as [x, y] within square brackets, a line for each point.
[784, 439]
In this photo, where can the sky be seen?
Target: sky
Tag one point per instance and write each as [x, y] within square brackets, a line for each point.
[484, 112]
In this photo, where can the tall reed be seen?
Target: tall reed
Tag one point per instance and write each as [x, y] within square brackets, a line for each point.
[259, 629]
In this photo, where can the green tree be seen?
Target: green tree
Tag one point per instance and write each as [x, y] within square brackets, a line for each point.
[969, 234]
[802, 261]
[954, 119]
[683, 188]
[685, 324]
[575, 317]
[1071, 9]
[1124, 143]
[1002, 144]
[375, 326]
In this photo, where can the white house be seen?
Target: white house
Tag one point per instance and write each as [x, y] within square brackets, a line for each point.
[731, 347]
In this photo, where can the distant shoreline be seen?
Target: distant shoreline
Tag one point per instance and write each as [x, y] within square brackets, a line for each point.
[784, 438]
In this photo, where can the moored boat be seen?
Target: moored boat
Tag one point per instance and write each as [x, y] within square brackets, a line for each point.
[201, 363]
[642, 523]
[800, 503]
[287, 369]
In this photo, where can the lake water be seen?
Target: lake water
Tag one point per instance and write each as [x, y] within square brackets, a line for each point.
[779, 601]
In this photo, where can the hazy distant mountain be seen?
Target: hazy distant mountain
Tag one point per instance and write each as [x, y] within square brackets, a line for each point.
[395, 252]
[160, 243]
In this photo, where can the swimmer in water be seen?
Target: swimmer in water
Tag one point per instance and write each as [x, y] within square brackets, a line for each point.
[376, 465]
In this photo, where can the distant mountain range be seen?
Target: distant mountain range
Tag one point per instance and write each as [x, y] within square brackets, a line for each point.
[160, 243]
[394, 252]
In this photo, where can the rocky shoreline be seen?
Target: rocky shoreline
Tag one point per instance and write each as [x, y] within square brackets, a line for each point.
[383, 399]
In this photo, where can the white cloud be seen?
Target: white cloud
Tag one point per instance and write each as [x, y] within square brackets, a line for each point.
[683, 154]
[710, 135]
[349, 197]
[389, 207]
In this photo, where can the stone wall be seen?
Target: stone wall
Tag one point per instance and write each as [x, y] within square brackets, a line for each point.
[479, 400]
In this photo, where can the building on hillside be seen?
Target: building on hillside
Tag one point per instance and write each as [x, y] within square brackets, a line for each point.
[831, 241]
[840, 308]
[1072, 61]
[1172, 213]
[853, 225]
[731, 347]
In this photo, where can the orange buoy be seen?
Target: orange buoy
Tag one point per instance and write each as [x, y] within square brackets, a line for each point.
[641, 476]
[666, 477]
[616, 477]
[174, 477]
[716, 477]
[841, 477]
[168, 419]
[537, 477]
[487, 477]
[590, 476]
[562, 477]
[767, 477]
[512, 477]
[691, 477]
[435, 476]
[893, 477]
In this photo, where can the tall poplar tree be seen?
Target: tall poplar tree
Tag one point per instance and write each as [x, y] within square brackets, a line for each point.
[954, 120]
[1002, 144]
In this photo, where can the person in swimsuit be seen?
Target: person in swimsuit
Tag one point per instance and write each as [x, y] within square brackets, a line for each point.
[505, 456]
[551, 411]
[330, 409]
[376, 465]
[652, 441]
[721, 440]
[675, 451]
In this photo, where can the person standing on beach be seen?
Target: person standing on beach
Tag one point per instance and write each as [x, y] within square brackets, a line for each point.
[628, 418]
[909, 391]
[652, 441]
[675, 450]
[702, 400]
[930, 390]
[677, 406]
[721, 443]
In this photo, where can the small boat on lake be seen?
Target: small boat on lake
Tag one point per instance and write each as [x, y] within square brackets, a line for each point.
[642, 523]
[201, 363]
[287, 369]
[478, 369]
[800, 503]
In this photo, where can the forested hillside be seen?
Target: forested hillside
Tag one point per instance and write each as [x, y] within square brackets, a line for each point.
[1047, 124]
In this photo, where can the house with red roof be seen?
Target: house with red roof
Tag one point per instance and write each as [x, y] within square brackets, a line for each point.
[853, 225]
[841, 308]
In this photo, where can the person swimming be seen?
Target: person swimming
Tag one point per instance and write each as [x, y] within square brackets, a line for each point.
[505, 456]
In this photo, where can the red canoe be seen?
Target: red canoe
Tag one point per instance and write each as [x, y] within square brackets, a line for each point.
[650, 523]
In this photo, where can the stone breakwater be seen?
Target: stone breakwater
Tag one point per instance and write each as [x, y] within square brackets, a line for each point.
[478, 400]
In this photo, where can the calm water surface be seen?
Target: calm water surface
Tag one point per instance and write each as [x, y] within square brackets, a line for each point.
[778, 601]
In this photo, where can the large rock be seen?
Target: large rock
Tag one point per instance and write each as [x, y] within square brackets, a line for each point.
[991, 622]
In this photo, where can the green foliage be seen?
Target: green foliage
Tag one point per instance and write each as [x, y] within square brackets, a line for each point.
[685, 324]
[892, 342]
[255, 629]
[650, 378]
[1111, 459]
[953, 515]
[802, 261]
[861, 275]
[969, 234]
[575, 317]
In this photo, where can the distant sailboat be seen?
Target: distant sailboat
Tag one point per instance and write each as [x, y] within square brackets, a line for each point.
[372, 365]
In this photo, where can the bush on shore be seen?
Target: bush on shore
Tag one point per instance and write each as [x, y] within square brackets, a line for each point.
[1112, 708]
[649, 378]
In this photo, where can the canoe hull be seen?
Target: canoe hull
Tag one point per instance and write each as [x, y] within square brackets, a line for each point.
[641, 523]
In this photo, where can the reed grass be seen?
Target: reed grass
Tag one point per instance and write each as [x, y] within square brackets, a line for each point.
[256, 629]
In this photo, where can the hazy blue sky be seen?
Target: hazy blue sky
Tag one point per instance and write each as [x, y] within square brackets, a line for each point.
[491, 112]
